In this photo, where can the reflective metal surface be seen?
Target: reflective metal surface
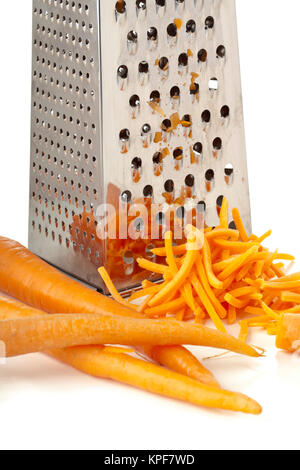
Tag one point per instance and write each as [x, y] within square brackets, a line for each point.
[132, 99]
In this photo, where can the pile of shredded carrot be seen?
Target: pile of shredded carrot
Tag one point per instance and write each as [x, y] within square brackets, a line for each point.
[220, 274]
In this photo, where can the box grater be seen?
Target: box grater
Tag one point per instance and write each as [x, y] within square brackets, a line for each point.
[132, 101]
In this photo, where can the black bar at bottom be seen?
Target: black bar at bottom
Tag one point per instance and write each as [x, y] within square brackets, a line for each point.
[139, 459]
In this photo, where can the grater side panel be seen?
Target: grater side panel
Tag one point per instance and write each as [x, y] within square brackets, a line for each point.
[125, 43]
[66, 159]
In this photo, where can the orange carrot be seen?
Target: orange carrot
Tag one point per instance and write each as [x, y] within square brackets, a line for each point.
[27, 335]
[222, 233]
[157, 353]
[235, 302]
[290, 297]
[175, 358]
[280, 285]
[31, 280]
[235, 247]
[186, 289]
[224, 213]
[112, 290]
[244, 330]
[231, 315]
[242, 291]
[237, 263]
[179, 278]
[101, 362]
[270, 313]
[150, 266]
[213, 280]
[209, 291]
[155, 379]
[239, 225]
[166, 308]
[288, 336]
[207, 303]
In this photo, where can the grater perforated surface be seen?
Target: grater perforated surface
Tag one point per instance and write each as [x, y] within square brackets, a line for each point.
[142, 100]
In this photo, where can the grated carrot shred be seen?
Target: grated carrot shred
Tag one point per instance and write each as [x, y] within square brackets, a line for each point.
[224, 213]
[219, 273]
[212, 279]
[243, 336]
[239, 225]
[111, 288]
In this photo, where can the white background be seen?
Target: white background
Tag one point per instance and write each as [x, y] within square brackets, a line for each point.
[46, 405]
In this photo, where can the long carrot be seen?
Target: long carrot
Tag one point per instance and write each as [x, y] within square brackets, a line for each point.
[99, 362]
[203, 375]
[29, 279]
[37, 334]
[155, 379]
[175, 358]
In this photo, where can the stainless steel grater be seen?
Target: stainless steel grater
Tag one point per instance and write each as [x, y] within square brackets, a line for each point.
[132, 101]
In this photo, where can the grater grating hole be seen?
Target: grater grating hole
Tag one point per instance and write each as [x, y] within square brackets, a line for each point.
[157, 158]
[172, 34]
[213, 84]
[191, 27]
[206, 116]
[219, 201]
[187, 120]
[124, 135]
[123, 72]
[136, 163]
[209, 22]
[202, 55]
[183, 60]
[134, 101]
[175, 93]
[201, 207]
[209, 175]
[126, 196]
[163, 64]
[166, 125]
[229, 173]
[180, 212]
[198, 148]
[172, 30]
[139, 224]
[217, 143]
[152, 34]
[148, 191]
[194, 89]
[141, 5]
[178, 153]
[120, 7]
[160, 218]
[155, 96]
[225, 111]
[221, 51]
[132, 41]
[209, 180]
[146, 129]
[143, 67]
[169, 186]
[190, 181]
